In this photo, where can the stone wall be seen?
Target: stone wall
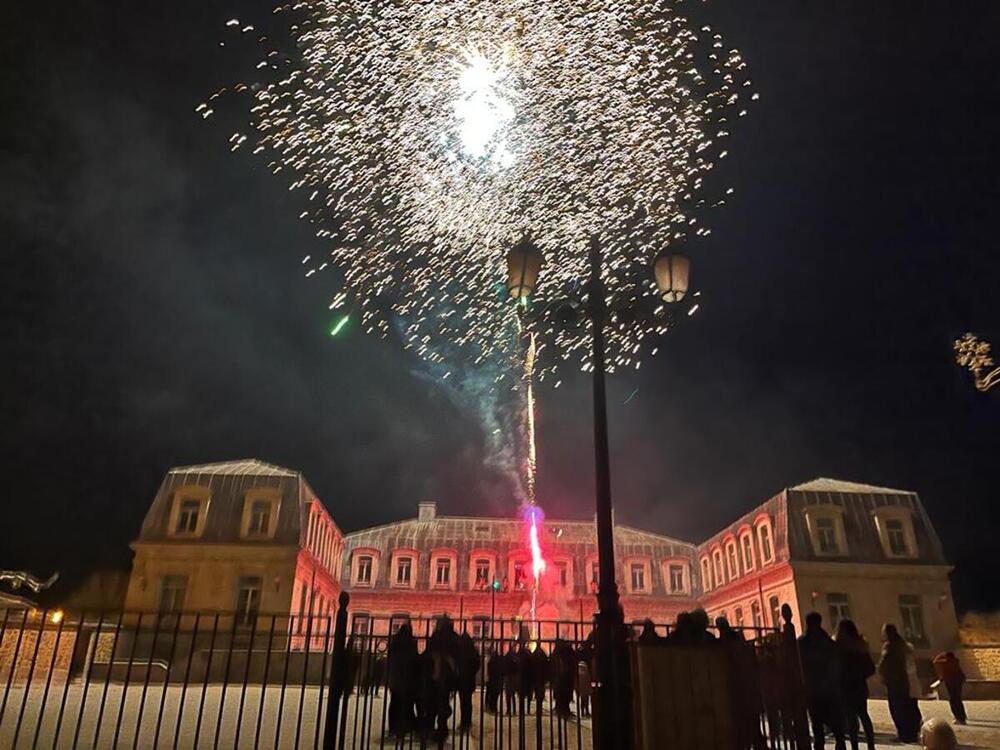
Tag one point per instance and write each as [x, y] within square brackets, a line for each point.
[981, 662]
[19, 650]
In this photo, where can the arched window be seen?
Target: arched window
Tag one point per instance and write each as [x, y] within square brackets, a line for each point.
[764, 540]
[706, 574]
[732, 564]
[746, 548]
[720, 573]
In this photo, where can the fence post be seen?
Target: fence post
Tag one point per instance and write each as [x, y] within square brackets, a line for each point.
[338, 673]
[795, 682]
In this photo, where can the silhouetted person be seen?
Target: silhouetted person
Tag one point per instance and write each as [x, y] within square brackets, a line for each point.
[583, 683]
[525, 686]
[443, 648]
[468, 668]
[494, 680]
[512, 677]
[821, 670]
[649, 634]
[538, 674]
[895, 667]
[699, 624]
[684, 630]
[727, 633]
[950, 671]
[563, 670]
[856, 666]
[402, 679]
[424, 691]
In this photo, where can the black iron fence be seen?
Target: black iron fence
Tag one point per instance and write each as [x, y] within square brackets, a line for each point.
[142, 680]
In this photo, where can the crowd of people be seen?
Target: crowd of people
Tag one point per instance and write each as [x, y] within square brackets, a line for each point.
[836, 672]
[518, 673]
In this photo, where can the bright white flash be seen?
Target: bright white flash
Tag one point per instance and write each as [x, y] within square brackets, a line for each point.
[482, 111]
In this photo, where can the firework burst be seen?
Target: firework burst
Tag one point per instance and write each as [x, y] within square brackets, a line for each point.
[431, 135]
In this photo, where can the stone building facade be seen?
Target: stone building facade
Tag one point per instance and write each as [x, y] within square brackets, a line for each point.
[248, 536]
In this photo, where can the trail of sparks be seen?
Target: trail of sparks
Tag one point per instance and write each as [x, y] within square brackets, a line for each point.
[430, 136]
[529, 374]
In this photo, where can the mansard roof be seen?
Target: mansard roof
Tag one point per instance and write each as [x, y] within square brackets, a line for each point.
[228, 483]
[243, 466]
[825, 484]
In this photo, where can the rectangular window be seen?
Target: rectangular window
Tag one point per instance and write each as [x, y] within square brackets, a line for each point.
[260, 518]
[595, 574]
[706, 574]
[404, 567]
[563, 569]
[480, 628]
[638, 577]
[443, 574]
[482, 573]
[719, 573]
[775, 606]
[398, 620]
[360, 624]
[172, 592]
[739, 617]
[840, 608]
[248, 600]
[826, 536]
[755, 614]
[912, 617]
[676, 579]
[897, 538]
[187, 516]
[364, 569]
[519, 577]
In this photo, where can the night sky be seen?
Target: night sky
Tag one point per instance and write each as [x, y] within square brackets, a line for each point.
[155, 313]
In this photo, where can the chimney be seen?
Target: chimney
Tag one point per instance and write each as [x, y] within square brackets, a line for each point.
[427, 510]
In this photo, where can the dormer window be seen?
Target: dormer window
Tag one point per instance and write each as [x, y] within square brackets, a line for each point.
[364, 570]
[187, 516]
[894, 524]
[260, 514]
[676, 583]
[404, 569]
[826, 529]
[442, 574]
[638, 571]
[482, 572]
[897, 538]
[826, 535]
[188, 512]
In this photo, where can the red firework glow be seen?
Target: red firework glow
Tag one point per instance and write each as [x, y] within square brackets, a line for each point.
[533, 517]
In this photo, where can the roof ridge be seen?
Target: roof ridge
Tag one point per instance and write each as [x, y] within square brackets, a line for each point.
[829, 484]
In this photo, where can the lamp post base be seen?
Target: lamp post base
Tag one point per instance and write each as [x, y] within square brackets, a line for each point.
[613, 695]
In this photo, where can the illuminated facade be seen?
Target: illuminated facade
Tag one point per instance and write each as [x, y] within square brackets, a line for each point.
[249, 536]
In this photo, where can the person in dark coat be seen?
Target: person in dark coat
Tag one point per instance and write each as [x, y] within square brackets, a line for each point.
[401, 677]
[700, 622]
[856, 666]
[511, 677]
[494, 680]
[728, 634]
[950, 671]
[468, 668]
[538, 674]
[821, 670]
[584, 687]
[443, 648]
[894, 668]
[649, 634]
[525, 678]
[563, 669]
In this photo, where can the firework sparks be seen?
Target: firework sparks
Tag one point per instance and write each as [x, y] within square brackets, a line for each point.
[432, 135]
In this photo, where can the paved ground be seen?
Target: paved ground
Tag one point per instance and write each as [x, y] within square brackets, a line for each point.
[284, 725]
[982, 731]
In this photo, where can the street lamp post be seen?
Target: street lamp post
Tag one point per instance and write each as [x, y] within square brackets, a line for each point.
[612, 721]
[613, 704]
